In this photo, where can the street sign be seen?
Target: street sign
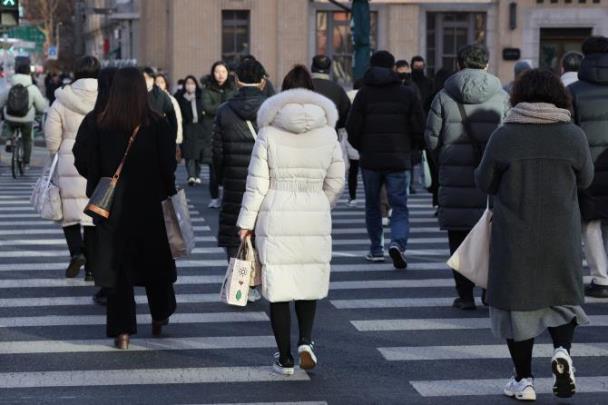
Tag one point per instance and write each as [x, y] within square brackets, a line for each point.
[52, 53]
[9, 13]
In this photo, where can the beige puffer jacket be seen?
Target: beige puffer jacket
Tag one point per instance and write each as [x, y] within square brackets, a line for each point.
[295, 176]
[72, 103]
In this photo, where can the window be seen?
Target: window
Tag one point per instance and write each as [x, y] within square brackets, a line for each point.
[447, 33]
[555, 42]
[334, 39]
[235, 34]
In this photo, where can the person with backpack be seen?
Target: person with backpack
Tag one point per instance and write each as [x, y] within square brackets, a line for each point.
[20, 104]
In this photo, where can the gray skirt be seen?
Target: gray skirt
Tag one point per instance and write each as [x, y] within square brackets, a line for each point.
[524, 325]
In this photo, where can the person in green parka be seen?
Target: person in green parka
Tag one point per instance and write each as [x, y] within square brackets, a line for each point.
[218, 87]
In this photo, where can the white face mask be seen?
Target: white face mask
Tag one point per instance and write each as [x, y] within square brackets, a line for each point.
[190, 88]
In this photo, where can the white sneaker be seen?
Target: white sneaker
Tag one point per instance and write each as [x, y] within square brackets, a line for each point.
[198, 180]
[308, 359]
[254, 295]
[280, 368]
[191, 181]
[522, 390]
[385, 221]
[215, 203]
[564, 383]
[353, 203]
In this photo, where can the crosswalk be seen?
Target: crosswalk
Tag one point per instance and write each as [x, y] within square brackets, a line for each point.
[52, 337]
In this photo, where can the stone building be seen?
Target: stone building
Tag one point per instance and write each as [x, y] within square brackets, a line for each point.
[187, 36]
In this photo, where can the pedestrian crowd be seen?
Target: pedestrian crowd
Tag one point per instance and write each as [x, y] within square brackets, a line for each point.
[534, 152]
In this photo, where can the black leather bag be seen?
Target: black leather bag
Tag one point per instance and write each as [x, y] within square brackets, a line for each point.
[100, 203]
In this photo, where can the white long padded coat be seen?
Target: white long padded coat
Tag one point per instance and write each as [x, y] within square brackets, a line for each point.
[64, 117]
[295, 176]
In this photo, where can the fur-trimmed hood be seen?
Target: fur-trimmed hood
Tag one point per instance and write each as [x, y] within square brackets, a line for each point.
[298, 111]
[79, 96]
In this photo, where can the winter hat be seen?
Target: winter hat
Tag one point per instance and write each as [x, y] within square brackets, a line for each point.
[521, 66]
[321, 64]
[383, 59]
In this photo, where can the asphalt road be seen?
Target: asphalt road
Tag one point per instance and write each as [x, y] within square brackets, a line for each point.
[382, 336]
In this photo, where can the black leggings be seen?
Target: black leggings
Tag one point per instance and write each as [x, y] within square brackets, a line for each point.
[353, 174]
[521, 352]
[280, 318]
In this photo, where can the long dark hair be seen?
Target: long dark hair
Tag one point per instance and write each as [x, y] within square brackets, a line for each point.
[212, 75]
[127, 106]
[104, 83]
[298, 77]
[198, 86]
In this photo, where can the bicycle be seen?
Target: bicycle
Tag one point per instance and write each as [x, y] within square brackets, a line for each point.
[18, 153]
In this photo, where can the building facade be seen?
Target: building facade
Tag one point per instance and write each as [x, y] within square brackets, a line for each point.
[186, 36]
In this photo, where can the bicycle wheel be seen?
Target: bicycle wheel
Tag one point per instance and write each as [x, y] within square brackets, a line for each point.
[17, 157]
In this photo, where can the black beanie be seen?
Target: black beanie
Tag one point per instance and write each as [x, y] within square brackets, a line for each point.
[383, 59]
[321, 64]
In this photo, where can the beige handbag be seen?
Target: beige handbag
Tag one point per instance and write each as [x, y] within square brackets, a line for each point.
[178, 224]
[472, 258]
[239, 275]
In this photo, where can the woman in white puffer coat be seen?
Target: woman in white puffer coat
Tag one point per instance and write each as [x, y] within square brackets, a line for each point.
[295, 177]
[71, 104]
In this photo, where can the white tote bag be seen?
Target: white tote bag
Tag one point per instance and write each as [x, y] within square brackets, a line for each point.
[46, 199]
[239, 275]
[426, 170]
[472, 258]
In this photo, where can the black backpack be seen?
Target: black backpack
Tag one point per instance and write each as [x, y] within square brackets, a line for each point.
[18, 104]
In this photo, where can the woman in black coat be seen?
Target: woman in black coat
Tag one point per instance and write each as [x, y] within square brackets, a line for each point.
[133, 249]
[81, 148]
[194, 147]
[533, 166]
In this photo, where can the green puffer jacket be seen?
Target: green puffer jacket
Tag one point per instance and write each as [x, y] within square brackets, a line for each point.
[213, 96]
[458, 151]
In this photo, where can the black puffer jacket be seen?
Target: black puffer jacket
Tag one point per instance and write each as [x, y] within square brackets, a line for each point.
[333, 91]
[458, 144]
[590, 104]
[232, 146]
[386, 122]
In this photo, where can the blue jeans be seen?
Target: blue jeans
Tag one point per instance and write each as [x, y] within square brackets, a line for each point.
[397, 184]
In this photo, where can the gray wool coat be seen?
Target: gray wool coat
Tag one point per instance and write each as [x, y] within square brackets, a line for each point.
[458, 152]
[535, 172]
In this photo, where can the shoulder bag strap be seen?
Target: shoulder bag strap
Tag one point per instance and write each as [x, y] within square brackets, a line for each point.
[252, 130]
[122, 162]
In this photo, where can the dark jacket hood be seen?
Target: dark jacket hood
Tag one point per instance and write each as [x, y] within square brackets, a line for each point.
[594, 69]
[472, 86]
[379, 76]
[247, 102]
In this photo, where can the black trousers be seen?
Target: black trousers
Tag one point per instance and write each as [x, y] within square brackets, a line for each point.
[121, 310]
[80, 242]
[280, 318]
[464, 286]
[353, 175]
[521, 352]
[193, 167]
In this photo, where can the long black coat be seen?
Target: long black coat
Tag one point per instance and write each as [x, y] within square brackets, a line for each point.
[534, 171]
[232, 146]
[196, 143]
[213, 96]
[590, 105]
[133, 240]
[386, 122]
[161, 104]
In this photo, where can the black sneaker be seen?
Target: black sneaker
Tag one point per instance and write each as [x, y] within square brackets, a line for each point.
[466, 305]
[398, 256]
[101, 298]
[286, 369]
[596, 290]
[75, 264]
[88, 277]
[375, 258]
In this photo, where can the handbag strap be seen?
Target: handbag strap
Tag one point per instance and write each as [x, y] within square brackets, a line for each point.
[51, 171]
[122, 162]
[252, 130]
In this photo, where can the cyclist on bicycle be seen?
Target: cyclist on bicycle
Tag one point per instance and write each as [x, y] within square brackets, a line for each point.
[20, 103]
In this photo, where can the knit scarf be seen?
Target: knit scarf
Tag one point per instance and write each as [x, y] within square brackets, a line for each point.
[537, 113]
[192, 99]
